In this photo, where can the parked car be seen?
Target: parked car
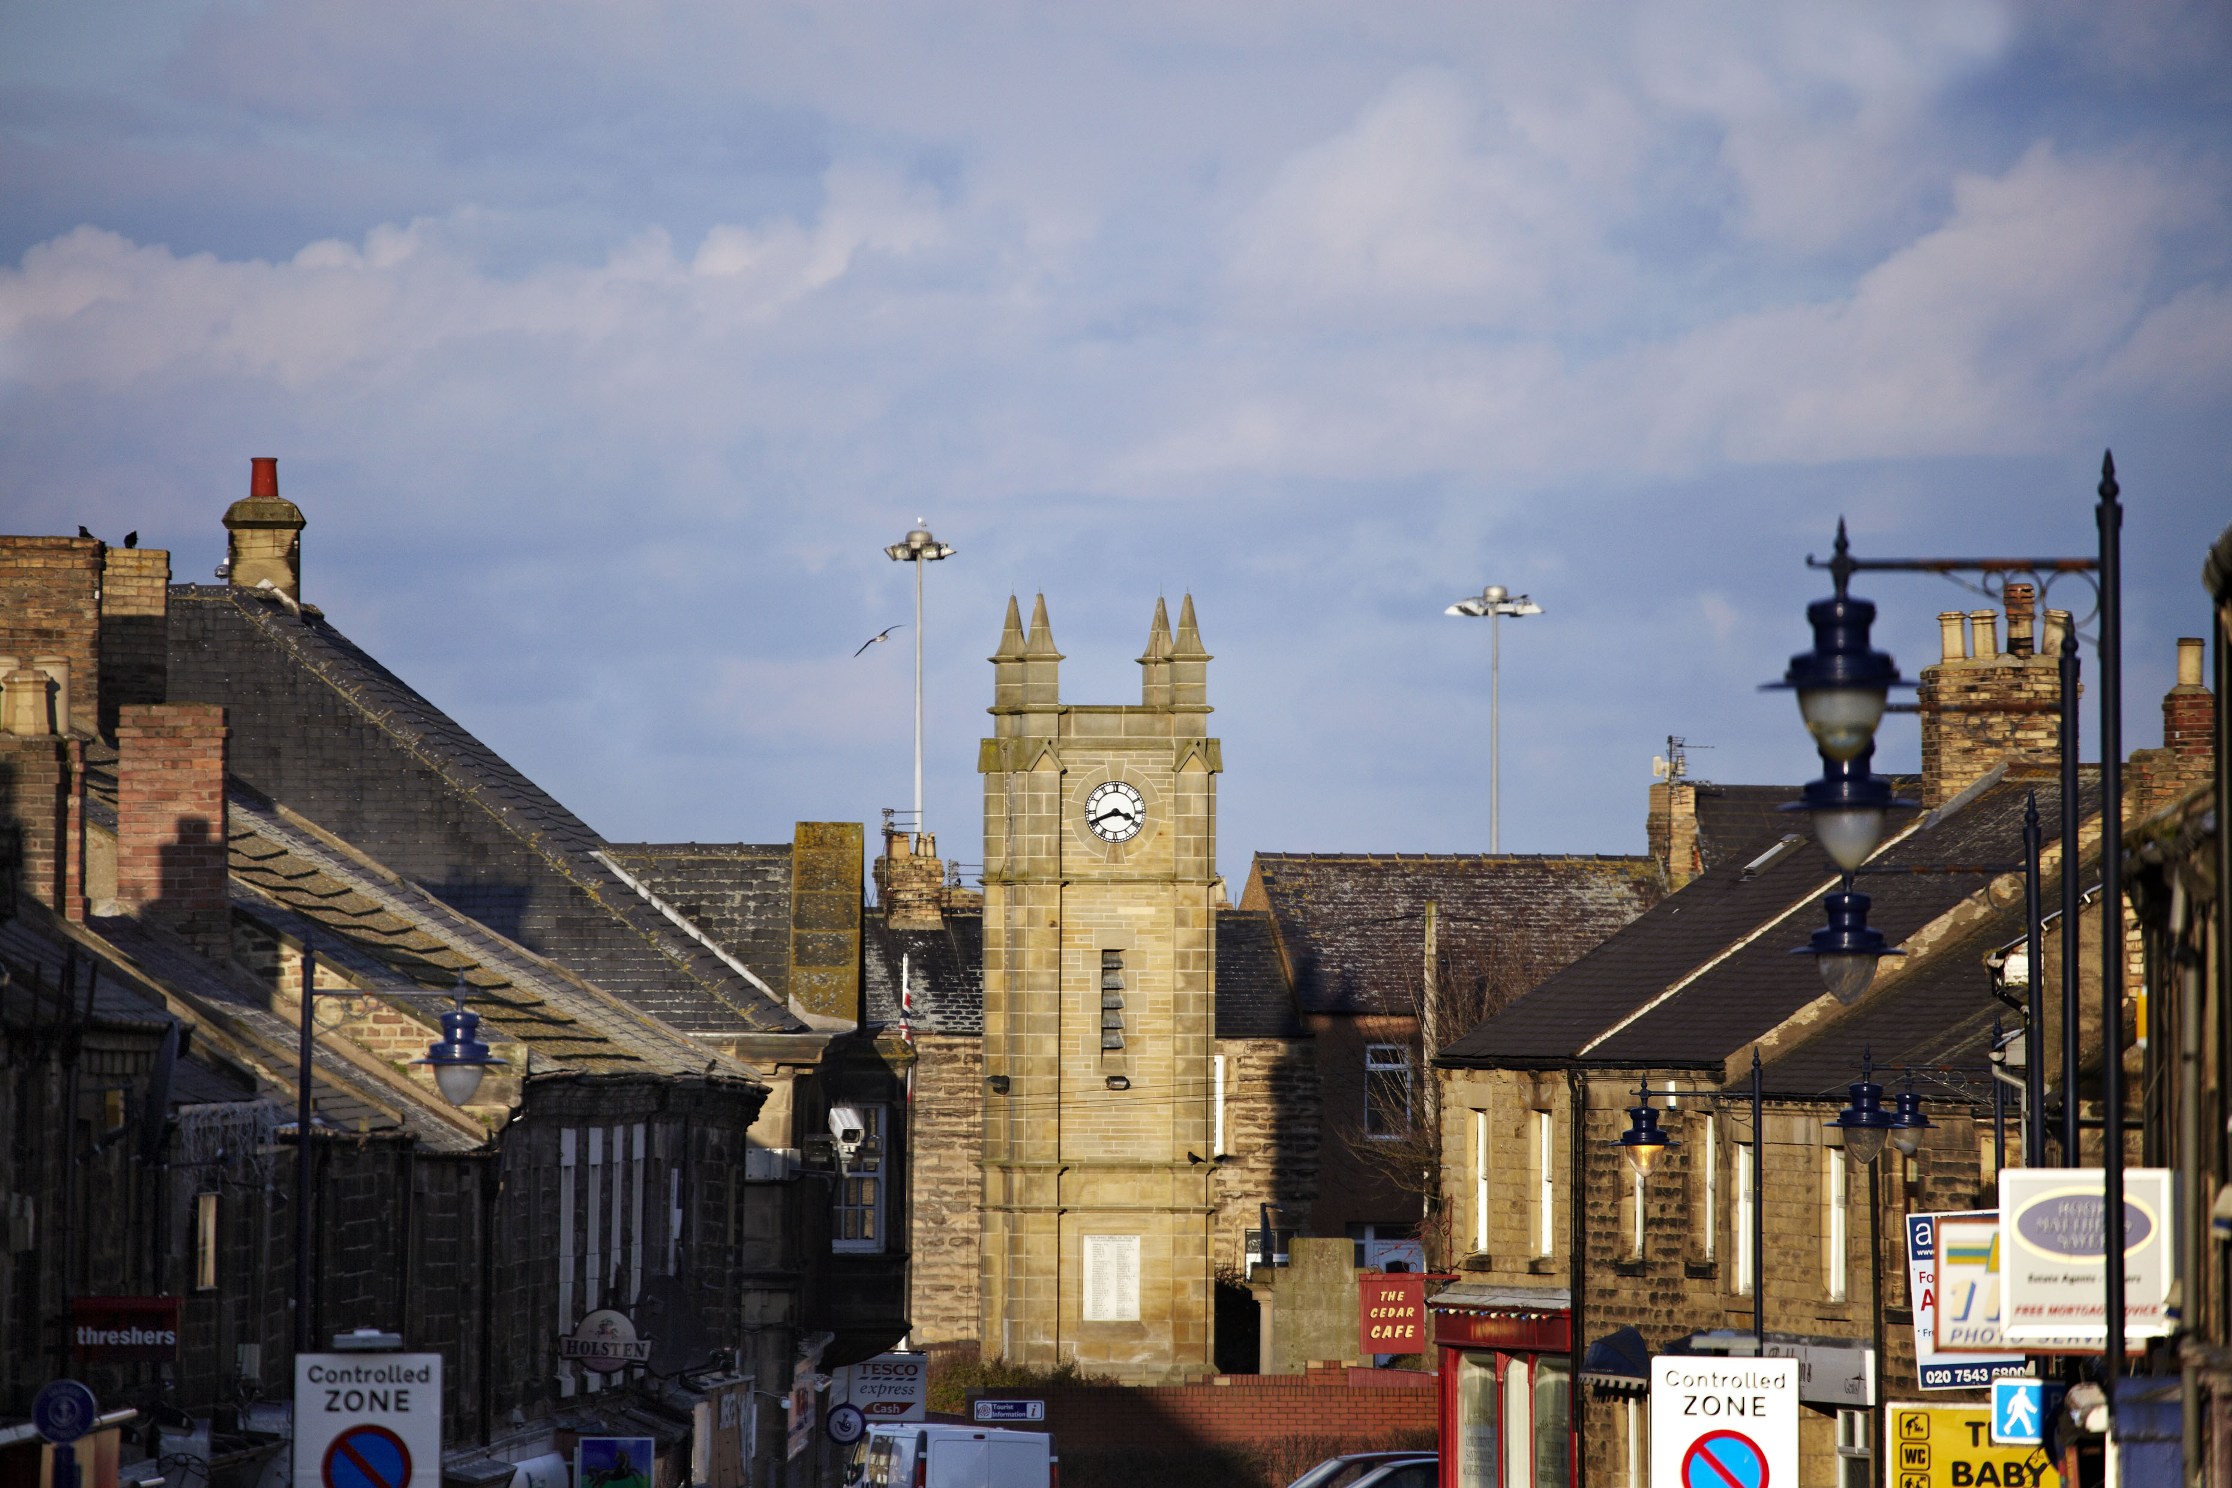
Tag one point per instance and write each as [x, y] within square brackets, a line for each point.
[1412, 1469]
[921, 1455]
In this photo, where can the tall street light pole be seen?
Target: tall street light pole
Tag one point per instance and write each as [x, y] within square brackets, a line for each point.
[1495, 602]
[918, 547]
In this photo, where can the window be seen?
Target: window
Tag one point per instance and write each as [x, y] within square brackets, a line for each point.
[857, 1225]
[1631, 1421]
[1387, 1090]
[1708, 1231]
[1553, 1437]
[1112, 1002]
[1477, 1417]
[1635, 1216]
[1855, 1449]
[1834, 1221]
[1546, 1184]
[1480, 1181]
[205, 1242]
[1217, 1123]
[1743, 1215]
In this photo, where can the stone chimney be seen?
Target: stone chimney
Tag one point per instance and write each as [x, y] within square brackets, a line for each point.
[263, 544]
[2157, 777]
[1672, 831]
[1982, 705]
[171, 819]
[825, 921]
[910, 881]
[35, 791]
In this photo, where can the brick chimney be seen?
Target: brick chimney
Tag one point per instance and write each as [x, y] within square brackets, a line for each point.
[1981, 704]
[2159, 776]
[35, 785]
[135, 630]
[171, 819]
[1672, 831]
[263, 545]
[825, 920]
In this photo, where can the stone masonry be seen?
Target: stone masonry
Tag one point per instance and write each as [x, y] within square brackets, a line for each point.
[946, 1188]
[1085, 1154]
[1981, 705]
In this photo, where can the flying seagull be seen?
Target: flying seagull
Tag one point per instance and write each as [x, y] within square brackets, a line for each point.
[881, 635]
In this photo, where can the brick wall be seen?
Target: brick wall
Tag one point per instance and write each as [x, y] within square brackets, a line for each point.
[34, 787]
[135, 630]
[947, 1188]
[170, 816]
[1980, 706]
[1352, 1409]
[50, 605]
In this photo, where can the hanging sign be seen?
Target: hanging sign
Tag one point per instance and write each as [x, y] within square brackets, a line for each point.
[889, 1387]
[1391, 1313]
[2053, 1235]
[1938, 1366]
[606, 1342]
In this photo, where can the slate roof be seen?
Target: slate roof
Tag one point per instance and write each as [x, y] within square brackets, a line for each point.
[1253, 999]
[943, 969]
[322, 727]
[392, 933]
[1349, 926]
[1709, 969]
[736, 892]
[1732, 818]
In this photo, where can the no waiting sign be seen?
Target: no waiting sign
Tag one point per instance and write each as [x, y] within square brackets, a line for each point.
[368, 1421]
[1724, 1423]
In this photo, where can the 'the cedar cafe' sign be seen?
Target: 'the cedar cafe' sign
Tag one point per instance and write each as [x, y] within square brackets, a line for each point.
[1391, 1313]
[124, 1330]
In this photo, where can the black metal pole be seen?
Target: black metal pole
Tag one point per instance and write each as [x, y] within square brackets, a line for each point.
[302, 1156]
[2072, 888]
[2111, 905]
[1759, 1208]
[1999, 1125]
[2034, 1037]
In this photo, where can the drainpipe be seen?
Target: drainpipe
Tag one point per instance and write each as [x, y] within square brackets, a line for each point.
[2185, 968]
[1577, 1105]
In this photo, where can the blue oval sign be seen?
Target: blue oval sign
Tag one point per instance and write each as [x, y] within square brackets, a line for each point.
[2070, 1225]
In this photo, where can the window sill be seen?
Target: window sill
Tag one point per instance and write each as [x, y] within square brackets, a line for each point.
[1479, 1260]
[1635, 1266]
[1543, 1265]
[1701, 1270]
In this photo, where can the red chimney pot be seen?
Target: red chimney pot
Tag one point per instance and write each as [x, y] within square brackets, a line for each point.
[263, 478]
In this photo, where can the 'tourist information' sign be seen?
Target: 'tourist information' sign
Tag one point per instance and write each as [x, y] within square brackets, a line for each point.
[368, 1421]
[1724, 1423]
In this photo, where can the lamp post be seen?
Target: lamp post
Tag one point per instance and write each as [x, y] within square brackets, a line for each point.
[459, 1059]
[1645, 1141]
[918, 547]
[1495, 602]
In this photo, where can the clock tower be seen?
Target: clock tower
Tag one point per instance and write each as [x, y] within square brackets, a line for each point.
[1100, 851]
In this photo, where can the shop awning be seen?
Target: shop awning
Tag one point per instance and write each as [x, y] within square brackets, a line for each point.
[1619, 1362]
[1515, 1301]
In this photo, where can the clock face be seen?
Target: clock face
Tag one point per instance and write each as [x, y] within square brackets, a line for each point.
[1115, 812]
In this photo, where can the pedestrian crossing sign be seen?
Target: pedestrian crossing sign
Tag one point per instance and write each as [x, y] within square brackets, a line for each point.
[2018, 1412]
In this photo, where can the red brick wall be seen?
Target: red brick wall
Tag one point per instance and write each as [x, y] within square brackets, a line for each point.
[34, 780]
[1355, 1408]
[170, 809]
[135, 631]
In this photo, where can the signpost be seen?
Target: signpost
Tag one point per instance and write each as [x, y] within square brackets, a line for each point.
[1724, 1423]
[368, 1421]
[889, 1387]
[1972, 1314]
[63, 1411]
[2020, 1408]
[1951, 1446]
[2053, 1236]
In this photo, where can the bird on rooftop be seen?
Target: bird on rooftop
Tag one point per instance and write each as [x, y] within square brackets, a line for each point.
[881, 635]
[85, 531]
[131, 539]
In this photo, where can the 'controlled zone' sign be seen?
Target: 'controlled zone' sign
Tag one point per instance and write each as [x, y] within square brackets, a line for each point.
[1724, 1423]
[368, 1421]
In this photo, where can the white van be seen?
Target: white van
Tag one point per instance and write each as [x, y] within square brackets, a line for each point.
[926, 1455]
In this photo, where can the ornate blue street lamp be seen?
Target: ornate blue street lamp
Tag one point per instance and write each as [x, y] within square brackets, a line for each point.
[1645, 1141]
[1865, 1123]
[1907, 1121]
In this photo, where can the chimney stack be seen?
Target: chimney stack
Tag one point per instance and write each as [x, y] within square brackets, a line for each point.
[1982, 706]
[2157, 777]
[2022, 611]
[263, 547]
[171, 819]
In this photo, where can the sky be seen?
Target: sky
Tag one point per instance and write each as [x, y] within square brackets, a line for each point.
[605, 346]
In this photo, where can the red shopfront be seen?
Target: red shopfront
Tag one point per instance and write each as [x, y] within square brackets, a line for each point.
[1506, 1357]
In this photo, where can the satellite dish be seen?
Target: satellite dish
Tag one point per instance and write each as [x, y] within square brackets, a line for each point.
[155, 1113]
[1658, 767]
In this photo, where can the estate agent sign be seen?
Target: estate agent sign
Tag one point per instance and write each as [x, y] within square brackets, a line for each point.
[2053, 1234]
[1957, 1340]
